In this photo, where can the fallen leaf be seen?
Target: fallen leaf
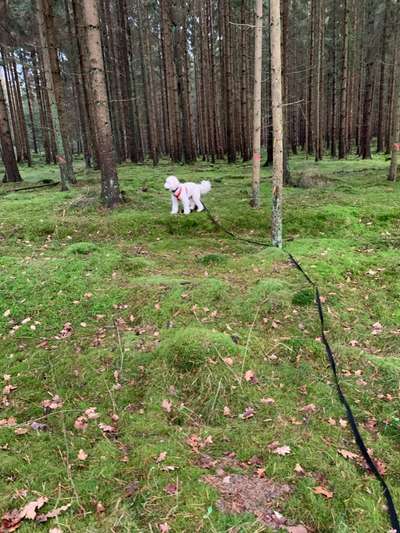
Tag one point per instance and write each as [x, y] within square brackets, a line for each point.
[7, 313]
[131, 489]
[161, 457]
[250, 377]
[296, 529]
[171, 489]
[8, 389]
[164, 528]
[332, 421]
[8, 421]
[55, 530]
[106, 428]
[21, 431]
[167, 405]
[267, 401]
[282, 450]
[299, 470]
[310, 408]
[65, 332]
[228, 361]
[52, 514]
[348, 455]
[342, 422]
[82, 455]
[81, 423]
[227, 411]
[100, 508]
[377, 328]
[36, 426]
[323, 491]
[54, 403]
[91, 413]
[249, 412]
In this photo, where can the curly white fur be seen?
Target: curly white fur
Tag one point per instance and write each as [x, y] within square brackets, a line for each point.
[189, 194]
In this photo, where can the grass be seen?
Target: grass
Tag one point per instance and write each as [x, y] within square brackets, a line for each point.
[124, 310]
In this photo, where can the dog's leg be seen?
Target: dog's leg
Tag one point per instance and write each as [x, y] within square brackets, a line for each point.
[186, 204]
[192, 204]
[197, 201]
[175, 205]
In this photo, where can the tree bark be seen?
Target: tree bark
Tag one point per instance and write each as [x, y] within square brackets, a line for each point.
[110, 194]
[277, 118]
[343, 89]
[255, 193]
[12, 173]
[47, 32]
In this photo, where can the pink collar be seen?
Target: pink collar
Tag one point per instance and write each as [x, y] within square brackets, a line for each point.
[178, 192]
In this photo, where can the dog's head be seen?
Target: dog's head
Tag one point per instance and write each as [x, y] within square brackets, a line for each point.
[171, 183]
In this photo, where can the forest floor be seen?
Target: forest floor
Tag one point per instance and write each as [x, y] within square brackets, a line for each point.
[184, 384]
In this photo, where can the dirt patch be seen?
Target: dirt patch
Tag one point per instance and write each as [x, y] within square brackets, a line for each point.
[250, 494]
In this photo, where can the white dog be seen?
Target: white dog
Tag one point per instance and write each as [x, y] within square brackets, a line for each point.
[187, 193]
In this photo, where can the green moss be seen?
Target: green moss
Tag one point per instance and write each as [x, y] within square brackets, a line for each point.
[189, 348]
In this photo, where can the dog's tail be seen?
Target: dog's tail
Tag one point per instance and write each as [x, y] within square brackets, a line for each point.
[205, 187]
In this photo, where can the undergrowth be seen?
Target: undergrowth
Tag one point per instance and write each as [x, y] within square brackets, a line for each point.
[171, 329]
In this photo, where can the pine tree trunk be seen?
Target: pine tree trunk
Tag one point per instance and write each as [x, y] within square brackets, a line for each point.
[29, 102]
[20, 114]
[110, 194]
[42, 110]
[7, 150]
[255, 186]
[343, 89]
[365, 140]
[245, 134]
[277, 117]
[334, 75]
[47, 32]
[381, 104]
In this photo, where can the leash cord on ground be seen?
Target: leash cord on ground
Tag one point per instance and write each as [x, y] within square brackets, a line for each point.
[332, 362]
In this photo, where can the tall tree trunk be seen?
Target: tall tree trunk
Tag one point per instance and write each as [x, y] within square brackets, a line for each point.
[245, 134]
[277, 117]
[42, 110]
[110, 194]
[255, 193]
[47, 32]
[343, 89]
[381, 105]
[365, 148]
[20, 114]
[29, 102]
[334, 75]
[7, 150]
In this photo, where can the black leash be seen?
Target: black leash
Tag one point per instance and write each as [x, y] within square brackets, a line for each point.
[331, 358]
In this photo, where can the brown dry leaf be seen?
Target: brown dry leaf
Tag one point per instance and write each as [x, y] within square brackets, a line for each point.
[82, 455]
[29, 511]
[167, 405]
[55, 530]
[227, 411]
[164, 528]
[81, 423]
[106, 428]
[21, 431]
[249, 412]
[91, 413]
[171, 489]
[297, 529]
[377, 328]
[310, 408]
[267, 401]
[250, 377]
[8, 422]
[228, 361]
[52, 514]
[332, 421]
[65, 332]
[54, 403]
[161, 457]
[342, 422]
[8, 389]
[348, 455]
[323, 491]
[299, 470]
[100, 508]
[282, 450]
